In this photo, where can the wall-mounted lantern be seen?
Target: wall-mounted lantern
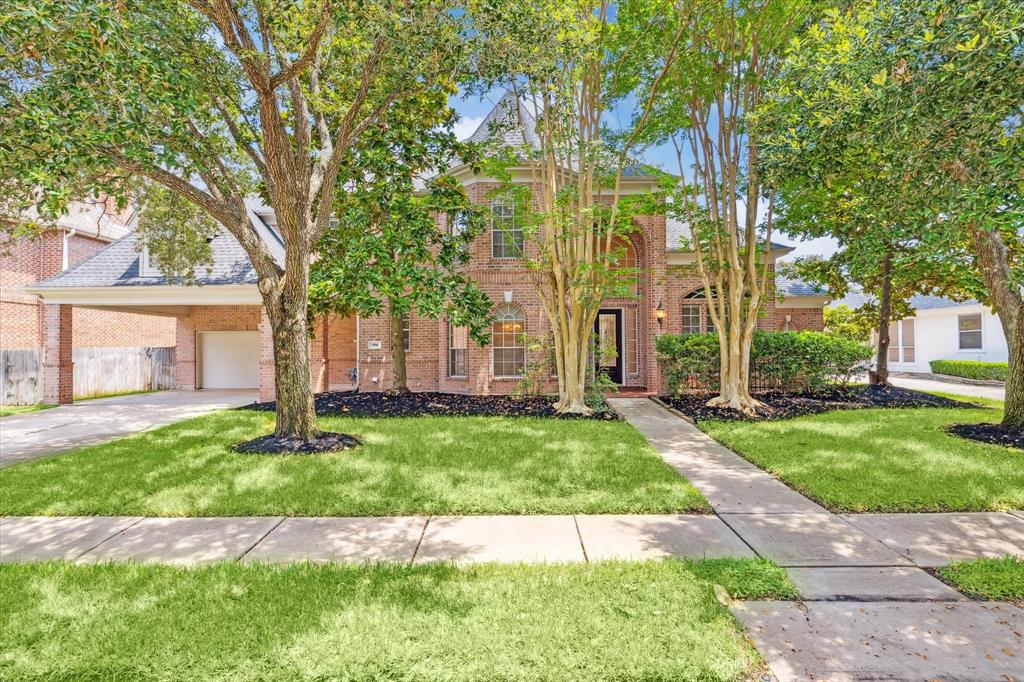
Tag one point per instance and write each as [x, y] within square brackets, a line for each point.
[659, 314]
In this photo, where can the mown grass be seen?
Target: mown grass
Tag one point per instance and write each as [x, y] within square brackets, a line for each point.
[9, 410]
[621, 620]
[885, 460]
[999, 579]
[449, 465]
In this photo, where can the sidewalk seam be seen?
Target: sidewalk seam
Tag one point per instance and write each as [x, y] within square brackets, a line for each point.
[134, 523]
[579, 536]
[423, 532]
[261, 538]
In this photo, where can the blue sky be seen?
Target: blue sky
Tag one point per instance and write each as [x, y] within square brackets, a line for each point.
[473, 109]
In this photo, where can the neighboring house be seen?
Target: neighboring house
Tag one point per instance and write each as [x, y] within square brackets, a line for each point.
[223, 336]
[86, 229]
[941, 329]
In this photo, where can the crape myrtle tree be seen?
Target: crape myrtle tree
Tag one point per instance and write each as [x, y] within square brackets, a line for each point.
[214, 102]
[386, 253]
[731, 48]
[562, 61]
[927, 96]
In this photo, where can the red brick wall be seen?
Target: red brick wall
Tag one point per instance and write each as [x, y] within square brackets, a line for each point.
[208, 319]
[34, 260]
[800, 319]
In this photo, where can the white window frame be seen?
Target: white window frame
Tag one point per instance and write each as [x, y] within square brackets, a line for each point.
[689, 307]
[465, 354]
[519, 316]
[981, 333]
[504, 202]
[896, 341]
[146, 268]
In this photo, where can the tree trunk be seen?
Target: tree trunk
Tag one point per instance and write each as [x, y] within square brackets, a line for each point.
[573, 359]
[734, 343]
[399, 378]
[1013, 415]
[286, 310]
[880, 377]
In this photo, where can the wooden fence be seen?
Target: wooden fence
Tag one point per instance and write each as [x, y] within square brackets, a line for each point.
[98, 371]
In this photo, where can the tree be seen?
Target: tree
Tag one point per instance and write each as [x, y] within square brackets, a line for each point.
[731, 50]
[927, 97]
[386, 252]
[559, 60]
[845, 322]
[213, 102]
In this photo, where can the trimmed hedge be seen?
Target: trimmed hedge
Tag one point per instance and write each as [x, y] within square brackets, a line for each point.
[971, 369]
[804, 360]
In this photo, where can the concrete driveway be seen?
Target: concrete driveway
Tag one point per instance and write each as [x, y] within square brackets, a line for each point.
[968, 390]
[59, 429]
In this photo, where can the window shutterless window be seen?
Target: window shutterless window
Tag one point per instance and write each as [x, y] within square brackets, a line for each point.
[506, 229]
[969, 330]
[457, 342]
[406, 336]
[691, 318]
[508, 347]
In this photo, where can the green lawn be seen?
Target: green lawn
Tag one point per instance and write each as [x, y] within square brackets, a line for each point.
[449, 465]
[646, 620]
[8, 410]
[887, 460]
[1001, 579]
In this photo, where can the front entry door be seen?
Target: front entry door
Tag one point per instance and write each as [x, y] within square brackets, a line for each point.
[608, 344]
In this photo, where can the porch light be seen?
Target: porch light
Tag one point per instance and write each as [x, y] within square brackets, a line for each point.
[659, 314]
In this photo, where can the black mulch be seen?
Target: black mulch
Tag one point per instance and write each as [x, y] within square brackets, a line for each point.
[990, 433]
[789, 405]
[376, 404]
[327, 441]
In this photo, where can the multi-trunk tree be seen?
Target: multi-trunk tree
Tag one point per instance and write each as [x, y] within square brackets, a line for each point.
[915, 107]
[216, 102]
[387, 253]
[731, 49]
[560, 60]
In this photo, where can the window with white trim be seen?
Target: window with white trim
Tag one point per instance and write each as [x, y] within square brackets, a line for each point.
[406, 336]
[458, 339]
[506, 229]
[901, 341]
[148, 266]
[969, 331]
[508, 345]
[691, 318]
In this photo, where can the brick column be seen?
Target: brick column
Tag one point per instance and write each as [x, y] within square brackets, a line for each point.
[185, 352]
[267, 381]
[58, 368]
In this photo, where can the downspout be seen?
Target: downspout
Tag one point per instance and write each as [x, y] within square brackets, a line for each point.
[64, 255]
[357, 376]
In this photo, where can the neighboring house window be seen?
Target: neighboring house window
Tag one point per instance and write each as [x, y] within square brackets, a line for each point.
[508, 347]
[969, 328]
[691, 318]
[458, 338]
[901, 341]
[506, 229]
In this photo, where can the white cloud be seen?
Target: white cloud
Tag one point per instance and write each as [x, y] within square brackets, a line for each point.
[467, 125]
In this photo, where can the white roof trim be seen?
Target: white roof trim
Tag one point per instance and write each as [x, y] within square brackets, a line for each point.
[211, 294]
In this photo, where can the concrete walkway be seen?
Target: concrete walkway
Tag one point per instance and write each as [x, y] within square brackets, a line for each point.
[38, 434]
[906, 624]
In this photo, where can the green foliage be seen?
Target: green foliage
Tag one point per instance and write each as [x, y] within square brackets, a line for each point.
[176, 232]
[538, 370]
[805, 360]
[1000, 579]
[847, 323]
[971, 369]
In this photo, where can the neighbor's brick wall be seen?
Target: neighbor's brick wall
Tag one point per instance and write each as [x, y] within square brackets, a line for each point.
[21, 315]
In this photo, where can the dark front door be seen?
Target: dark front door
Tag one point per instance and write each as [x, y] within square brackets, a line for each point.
[608, 344]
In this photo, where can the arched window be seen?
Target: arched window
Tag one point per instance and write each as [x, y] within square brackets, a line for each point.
[506, 229]
[508, 347]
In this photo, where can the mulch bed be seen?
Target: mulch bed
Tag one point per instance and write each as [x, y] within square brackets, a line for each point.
[434, 404]
[327, 441]
[789, 405]
[996, 434]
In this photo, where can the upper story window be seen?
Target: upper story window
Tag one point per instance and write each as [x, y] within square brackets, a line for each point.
[969, 330]
[148, 266]
[506, 229]
[457, 223]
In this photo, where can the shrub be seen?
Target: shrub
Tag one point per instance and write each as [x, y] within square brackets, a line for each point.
[971, 369]
[779, 360]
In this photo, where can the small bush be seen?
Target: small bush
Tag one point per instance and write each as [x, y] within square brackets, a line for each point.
[970, 369]
[779, 360]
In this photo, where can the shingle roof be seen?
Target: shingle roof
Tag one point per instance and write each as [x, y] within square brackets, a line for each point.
[508, 122]
[117, 265]
[676, 231]
[797, 287]
[855, 299]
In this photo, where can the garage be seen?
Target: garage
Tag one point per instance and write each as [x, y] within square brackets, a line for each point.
[229, 359]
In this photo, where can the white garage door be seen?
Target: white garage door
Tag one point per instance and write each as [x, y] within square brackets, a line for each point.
[230, 359]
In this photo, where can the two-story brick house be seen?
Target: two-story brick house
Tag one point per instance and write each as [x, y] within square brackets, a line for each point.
[223, 337]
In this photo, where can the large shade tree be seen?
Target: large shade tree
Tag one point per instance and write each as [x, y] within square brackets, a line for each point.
[928, 97]
[387, 252]
[213, 102]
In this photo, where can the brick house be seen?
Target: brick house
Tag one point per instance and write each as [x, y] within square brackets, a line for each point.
[84, 230]
[223, 337]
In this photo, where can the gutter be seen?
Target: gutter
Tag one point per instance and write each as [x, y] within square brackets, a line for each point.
[64, 255]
